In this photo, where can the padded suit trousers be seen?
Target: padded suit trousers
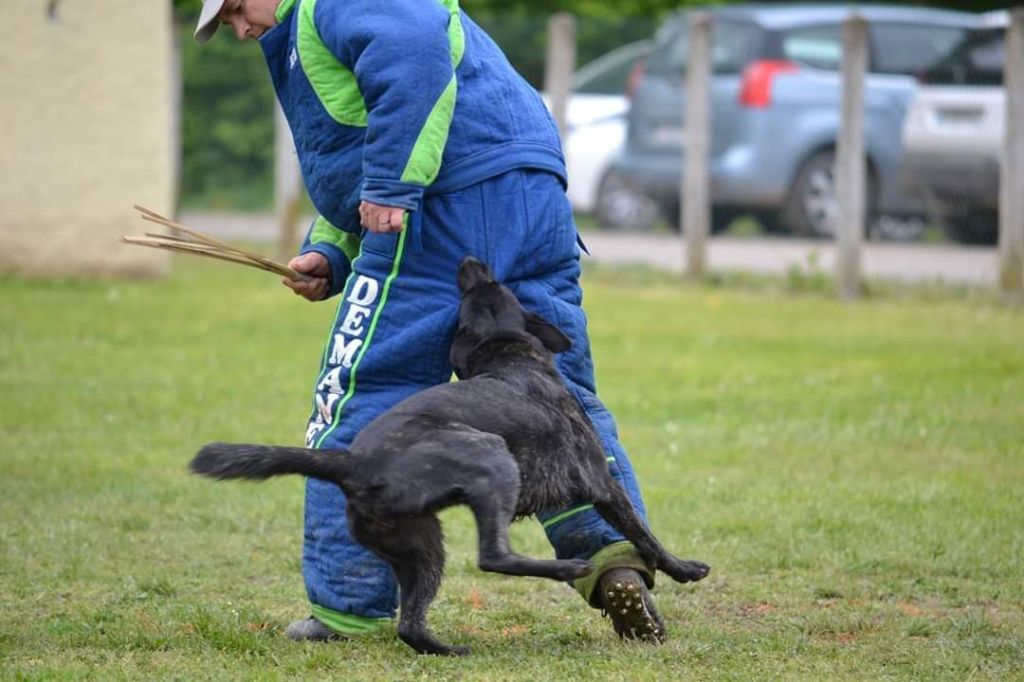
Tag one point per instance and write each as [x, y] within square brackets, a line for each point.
[391, 336]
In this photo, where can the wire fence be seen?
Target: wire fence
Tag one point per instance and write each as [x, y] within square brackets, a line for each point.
[934, 108]
[934, 122]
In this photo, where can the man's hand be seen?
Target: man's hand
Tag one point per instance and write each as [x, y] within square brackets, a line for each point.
[316, 267]
[377, 218]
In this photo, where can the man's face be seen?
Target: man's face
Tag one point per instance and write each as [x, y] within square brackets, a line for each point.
[249, 18]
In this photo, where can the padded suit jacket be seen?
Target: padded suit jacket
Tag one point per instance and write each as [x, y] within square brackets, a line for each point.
[389, 100]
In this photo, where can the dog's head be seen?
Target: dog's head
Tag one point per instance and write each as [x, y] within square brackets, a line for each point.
[490, 312]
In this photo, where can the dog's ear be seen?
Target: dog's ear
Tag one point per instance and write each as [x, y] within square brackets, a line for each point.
[473, 272]
[462, 346]
[552, 338]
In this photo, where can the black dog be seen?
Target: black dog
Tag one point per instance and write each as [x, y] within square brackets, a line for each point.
[509, 440]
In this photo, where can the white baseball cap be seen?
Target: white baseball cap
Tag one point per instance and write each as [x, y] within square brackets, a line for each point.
[208, 23]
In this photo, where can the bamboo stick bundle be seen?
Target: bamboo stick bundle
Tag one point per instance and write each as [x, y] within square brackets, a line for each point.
[199, 244]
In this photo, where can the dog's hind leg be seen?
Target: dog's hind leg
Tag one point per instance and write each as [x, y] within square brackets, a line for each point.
[616, 508]
[419, 576]
[414, 549]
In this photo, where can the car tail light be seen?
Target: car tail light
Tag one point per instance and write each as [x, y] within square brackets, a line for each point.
[756, 89]
[636, 74]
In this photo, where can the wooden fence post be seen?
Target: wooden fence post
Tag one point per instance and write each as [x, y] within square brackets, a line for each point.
[559, 64]
[850, 173]
[1011, 181]
[695, 190]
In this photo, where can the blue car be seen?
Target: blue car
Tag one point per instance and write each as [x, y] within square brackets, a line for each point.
[775, 109]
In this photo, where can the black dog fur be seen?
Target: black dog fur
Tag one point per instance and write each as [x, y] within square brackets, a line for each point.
[508, 440]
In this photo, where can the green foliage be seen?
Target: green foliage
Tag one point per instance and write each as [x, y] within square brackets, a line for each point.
[523, 37]
[227, 123]
[851, 471]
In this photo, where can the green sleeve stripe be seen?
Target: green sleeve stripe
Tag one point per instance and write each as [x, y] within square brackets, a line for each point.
[324, 232]
[338, 91]
[399, 249]
[283, 9]
[335, 86]
[350, 244]
[425, 160]
[456, 38]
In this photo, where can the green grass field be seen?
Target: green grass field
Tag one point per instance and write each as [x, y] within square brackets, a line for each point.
[853, 472]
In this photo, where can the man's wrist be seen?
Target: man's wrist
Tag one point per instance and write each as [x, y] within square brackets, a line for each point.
[337, 263]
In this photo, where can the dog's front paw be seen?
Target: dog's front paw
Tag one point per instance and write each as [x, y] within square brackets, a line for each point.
[687, 571]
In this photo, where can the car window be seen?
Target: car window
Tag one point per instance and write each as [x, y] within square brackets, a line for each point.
[979, 59]
[911, 48]
[670, 53]
[989, 56]
[820, 47]
[732, 45]
[609, 80]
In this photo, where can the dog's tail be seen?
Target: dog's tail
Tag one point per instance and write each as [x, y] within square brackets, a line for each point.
[230, 460]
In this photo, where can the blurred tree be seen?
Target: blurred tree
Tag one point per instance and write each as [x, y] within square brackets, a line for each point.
[523, 37]
[227, 121]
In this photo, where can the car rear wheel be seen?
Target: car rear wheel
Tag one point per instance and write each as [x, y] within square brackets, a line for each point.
[813, 206]
[624, 206]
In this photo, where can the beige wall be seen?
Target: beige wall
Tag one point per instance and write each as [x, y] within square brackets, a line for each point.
[88, 127]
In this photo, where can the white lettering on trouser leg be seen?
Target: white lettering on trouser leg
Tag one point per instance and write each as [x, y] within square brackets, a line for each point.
[313, 430]
[342, 356]
[364, 291]
[343, 352]
[331, 381]
[353, 322]
[325, 405]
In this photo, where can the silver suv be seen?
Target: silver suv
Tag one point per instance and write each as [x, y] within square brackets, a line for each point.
[953, 135]
[776, 96]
